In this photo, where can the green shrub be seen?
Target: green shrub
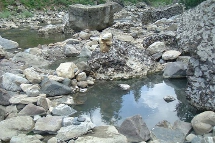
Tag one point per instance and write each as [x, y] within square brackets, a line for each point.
[5, 14]
[191, 3]
[27, 14]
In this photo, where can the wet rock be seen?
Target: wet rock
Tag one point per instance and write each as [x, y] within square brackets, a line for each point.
[185, 127]
[53, 88]
[32, 75]
[14, 126]
[70, 50]
[66, 70]
[31, 110]
[198, 41]
[169, 98]
[135, 129]
[12, 82]
[81, 76]
[8, 44]
[164, 124]
[103, 134]
[22, 138]
[204, 122]
[87, 17]
[48, 124]
[175, 70]
[166, 135]
[63, 110]
[105, 42]
[124, 86]
[72, 131]
[31, 90]
[51, 29]
[30, 60]
[170, 55]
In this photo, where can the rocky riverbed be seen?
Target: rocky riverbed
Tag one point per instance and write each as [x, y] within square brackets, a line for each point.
[141, 41]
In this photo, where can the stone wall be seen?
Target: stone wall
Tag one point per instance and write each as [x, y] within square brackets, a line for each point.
[196, 35]
[97, 17]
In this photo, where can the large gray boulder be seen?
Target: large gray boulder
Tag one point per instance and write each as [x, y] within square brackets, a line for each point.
[8, 44]
[14, 126]
[12, 82]
[32, 110]
[49, 124]
[175, 70]
[204, 122]
[196, 35]
[63, 110]
[96, 17]
[135, 129]
[103, 134]
[54, 88]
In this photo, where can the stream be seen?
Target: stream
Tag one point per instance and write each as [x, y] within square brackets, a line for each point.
[107, 104]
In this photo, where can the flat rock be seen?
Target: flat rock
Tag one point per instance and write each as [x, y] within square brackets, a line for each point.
[49, 124]
[135, 129]
[54, 88]
[175, 70]
[63, 110]
[71, 131]
[23, 99]
[103, 134]
[30, 60]
[12, 82]
[22, 138]
[32, 110]
[165, 135]
[31, 90]
[32, 75]
[185, 127]
[14, 126]
[8, 44]
[171, 55]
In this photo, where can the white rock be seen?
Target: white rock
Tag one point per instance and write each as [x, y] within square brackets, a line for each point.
[124, 86]
[66, 70]
[156, 47]
[81, 76]
[171, 55]
[32, 75]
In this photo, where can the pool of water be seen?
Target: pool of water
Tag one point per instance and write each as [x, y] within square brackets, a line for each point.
[107, 104]
[28, 38]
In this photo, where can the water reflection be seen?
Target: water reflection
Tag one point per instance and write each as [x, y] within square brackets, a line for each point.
[106, 103]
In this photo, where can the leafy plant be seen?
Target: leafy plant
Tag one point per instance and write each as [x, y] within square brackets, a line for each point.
[27, 14]
[5, 14]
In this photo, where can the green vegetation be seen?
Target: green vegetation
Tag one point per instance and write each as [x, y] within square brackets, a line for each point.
[50, 4]
[5, 14]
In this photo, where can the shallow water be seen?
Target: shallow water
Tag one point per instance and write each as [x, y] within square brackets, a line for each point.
[29, 38]
[107, 104]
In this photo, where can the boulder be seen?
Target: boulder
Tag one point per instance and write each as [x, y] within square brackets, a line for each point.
[204, 122]
[156, 47]
[103, 134]
[171, 55]
[85, 52]
[196, 36]
[70, 50]
[32, 75]
[135, 129]
[8, 44]
[66, 70]
[22, 138]
[105, 42]
[96, 17]
[54, 88]
[48, 124]
[72, 131]
[185, 127]
[63, 110]
[166, 135]
[175, 70]
[30, 60]
[12, 82]
[14, 126]
[31, 90]
[23, 99]
[32, 110]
